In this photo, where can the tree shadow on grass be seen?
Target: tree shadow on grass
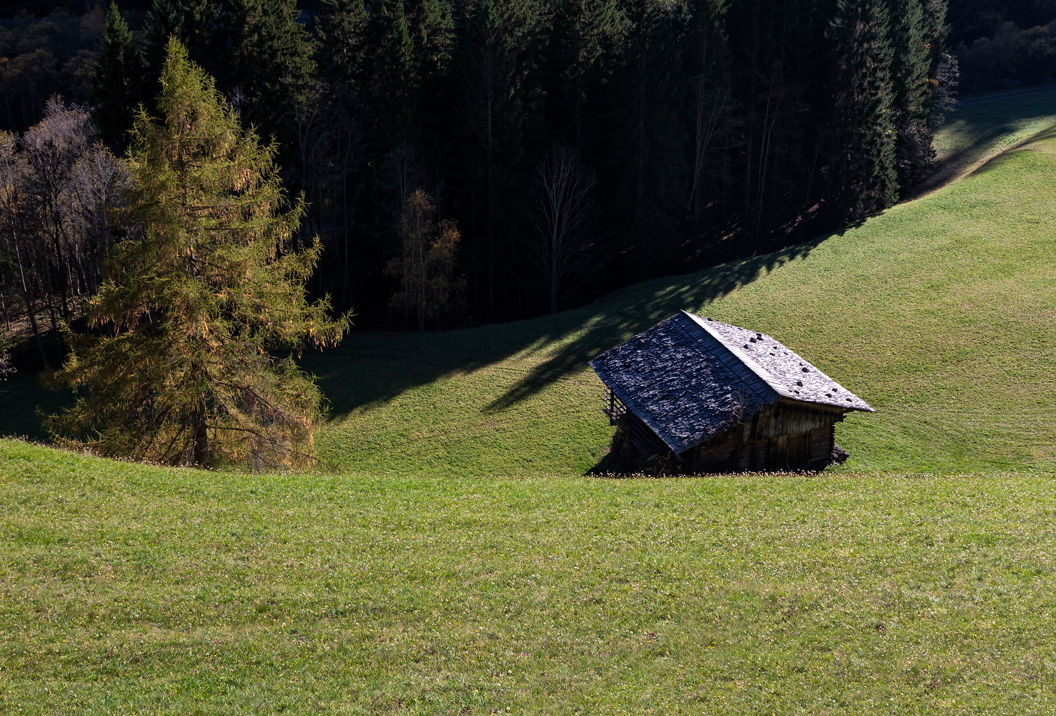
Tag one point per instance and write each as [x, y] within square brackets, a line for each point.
[373, 368]
[1006, 156]
[955, 166]
[25, 399]
[639, 308]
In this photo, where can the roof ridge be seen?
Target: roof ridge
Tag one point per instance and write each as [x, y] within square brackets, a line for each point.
[749, 362]
[778, 386]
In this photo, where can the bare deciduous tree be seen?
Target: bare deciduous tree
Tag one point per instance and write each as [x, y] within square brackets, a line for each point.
[564, 217]
[95, 184]
[52, 147]
[14, 230]
[56, 186]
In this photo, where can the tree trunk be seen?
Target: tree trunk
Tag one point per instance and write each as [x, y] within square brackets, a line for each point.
[201, 437]
[489, 228]
[422, 274]
[29, 304]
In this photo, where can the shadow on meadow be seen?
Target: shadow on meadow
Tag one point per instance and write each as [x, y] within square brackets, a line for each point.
[24, 398]
[373, 368]
[1007, 156]
[990, 122]
[370, 369]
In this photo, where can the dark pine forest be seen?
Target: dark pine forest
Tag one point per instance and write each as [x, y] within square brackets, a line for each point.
[470, 161]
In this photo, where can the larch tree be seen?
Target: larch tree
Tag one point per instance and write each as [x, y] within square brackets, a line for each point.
[176, 367]
[427, 264]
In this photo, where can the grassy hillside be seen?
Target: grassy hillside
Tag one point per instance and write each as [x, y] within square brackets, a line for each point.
[131, 589]
[989, 125]
[940, 313]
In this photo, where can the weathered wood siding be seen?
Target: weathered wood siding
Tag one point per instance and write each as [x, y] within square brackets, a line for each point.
[785, 435]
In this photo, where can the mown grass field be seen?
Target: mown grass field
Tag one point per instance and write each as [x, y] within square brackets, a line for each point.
[987, 126]
[452, 559]
[129, 589]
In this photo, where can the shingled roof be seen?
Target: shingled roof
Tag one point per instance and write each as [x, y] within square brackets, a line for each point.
[689, 378]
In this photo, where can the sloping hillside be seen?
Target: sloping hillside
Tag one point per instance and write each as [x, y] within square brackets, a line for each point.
[940, 313]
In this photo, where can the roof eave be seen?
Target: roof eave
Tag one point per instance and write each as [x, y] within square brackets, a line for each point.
[634, 407]
[836, 406]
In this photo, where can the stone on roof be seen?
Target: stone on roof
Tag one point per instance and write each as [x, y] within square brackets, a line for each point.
[690, 378]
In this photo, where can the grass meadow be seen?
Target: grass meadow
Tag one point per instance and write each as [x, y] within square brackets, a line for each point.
[129, 589]
[939, 313]
[451, 556]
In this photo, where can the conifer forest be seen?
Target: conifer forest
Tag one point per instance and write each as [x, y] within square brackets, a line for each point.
[470, 161]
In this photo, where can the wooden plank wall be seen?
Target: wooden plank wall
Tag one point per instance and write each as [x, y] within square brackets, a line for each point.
[780, 436]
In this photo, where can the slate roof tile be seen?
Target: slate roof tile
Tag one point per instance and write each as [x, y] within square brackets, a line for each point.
[690, 378]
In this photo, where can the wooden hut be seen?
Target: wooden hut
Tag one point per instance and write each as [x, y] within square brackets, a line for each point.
[694, 395]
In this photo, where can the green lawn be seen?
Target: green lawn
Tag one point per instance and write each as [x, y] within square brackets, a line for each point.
[975, 133]
[129, 589]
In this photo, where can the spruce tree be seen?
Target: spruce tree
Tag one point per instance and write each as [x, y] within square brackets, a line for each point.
[650, 143]
[118, 80]
[911, 62]
[863, 168]
[202, 27]
[585, 39]
[177, 368]
[341, 46]
[395, 91]
[942, 70]
[271, 63]
[411, 44]
[711, 103]
[497, 72]
[341, 57]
